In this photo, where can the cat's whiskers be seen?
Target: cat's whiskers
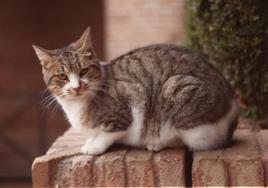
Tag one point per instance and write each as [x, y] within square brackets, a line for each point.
[43, 106]
[47, 103]
[46, 100]
[54, 110]
[44, 92]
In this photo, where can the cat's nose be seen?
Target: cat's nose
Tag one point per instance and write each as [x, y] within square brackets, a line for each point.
[77, 89]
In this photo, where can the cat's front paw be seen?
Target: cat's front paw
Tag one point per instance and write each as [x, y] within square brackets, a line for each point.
[91, 150]
[98, 144]
[153, 147]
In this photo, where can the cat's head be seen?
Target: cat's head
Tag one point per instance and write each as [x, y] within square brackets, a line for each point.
[73, 71]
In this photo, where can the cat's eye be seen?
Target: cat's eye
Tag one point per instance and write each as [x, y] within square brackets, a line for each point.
[83, 71]
[62, 76]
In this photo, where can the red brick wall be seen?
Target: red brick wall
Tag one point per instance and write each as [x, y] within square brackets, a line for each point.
[134, 23]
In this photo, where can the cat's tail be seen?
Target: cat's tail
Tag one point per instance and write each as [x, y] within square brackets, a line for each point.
[231, 122]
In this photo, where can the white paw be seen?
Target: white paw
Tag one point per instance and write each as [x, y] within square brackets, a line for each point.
[91, 150]
[153, 147]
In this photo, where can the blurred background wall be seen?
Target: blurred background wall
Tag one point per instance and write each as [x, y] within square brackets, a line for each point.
[117, 25]
[25, 129]
[135, 23]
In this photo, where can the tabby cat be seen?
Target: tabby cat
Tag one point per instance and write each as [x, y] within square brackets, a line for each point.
[153, 97]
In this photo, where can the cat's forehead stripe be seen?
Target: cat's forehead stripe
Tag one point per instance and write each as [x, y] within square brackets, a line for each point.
[69, 62]
[71, 59]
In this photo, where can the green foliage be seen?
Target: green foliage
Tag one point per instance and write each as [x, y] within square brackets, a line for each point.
[233, 36]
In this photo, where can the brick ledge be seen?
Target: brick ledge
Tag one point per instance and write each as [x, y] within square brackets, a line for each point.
[120, 166]
[245, 163]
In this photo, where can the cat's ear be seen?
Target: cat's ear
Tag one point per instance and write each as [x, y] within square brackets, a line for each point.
[42, 54]
[84, 43]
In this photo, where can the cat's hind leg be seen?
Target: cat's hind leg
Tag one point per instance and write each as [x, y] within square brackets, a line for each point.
[204, 137]
[212, 136]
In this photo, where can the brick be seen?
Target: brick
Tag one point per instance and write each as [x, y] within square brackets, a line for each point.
[45, 167]
[238, 165]
[246, 173]
[209, 169]
[262, 137]
[109, 169]
[216, 173]
[64, 175]
[169, 168]
[41, 173]
[70, 139]
[245, 166]
[139, 168]
[64, 166]
[82, 170]
[74, 171]
[263, 142]
[244, 146]
[244, 163]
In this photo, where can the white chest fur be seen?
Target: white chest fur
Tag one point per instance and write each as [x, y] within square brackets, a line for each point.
[74, 110]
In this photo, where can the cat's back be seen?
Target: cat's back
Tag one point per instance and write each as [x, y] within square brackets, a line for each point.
[154, 58]
[170, 88]
[173, 82]
[153, 65]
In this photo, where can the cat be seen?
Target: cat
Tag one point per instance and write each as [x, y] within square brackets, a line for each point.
[152, 97]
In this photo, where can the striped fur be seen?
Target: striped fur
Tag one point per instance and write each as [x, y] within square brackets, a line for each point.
[149, 97]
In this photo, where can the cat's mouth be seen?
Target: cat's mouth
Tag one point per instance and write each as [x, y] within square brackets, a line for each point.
[76, 95]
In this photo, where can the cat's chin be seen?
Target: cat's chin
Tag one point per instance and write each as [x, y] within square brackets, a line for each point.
[76, 97]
